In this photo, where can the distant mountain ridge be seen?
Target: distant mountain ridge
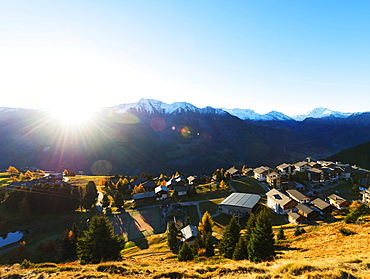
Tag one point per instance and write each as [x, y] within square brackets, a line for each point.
[151, 105]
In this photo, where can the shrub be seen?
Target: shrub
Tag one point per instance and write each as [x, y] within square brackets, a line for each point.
[346, 232]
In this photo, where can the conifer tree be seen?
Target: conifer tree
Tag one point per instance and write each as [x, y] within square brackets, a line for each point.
[240, 252]
[208, 243]
[281, 235]
[230, 238]
[250, 225]
[90, 196]
[185, 253]
[118, 199]
[172, 239]
[105, 201]
[99, 242]
[24, 210]
[261, 242]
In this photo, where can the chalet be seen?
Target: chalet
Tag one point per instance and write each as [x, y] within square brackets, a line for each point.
[247, 171]
[143, 197]
[189, 233]
[279, 202]
[161, 192]
[193, 180]
[295, 218]
[261, 172]
[338, 201]
[301, 166]
[239, 204]
[322, 205]
[298, 196]
[276, 180]
[234, 173]
[149, 186]
[307, 211]
[285, 169]
[313, 164]
[331, 173]
[316, 175]
[182, 190]
[176, 181]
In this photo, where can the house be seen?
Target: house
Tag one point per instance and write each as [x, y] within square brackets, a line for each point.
[298, 196]
[276, 180]
[149, 186]
[143, 197]
[193, 180]
[286, 169]
[338, 201]
[176, 181]
[261, 172]
[189, 233]
[316, 175]
[301, 166]
[279, 202]
[234, 173]
[307, 211]
[182, 190]
[366, 196]
[295, 218]
[322, 205]
[161, 192]
[239, 204]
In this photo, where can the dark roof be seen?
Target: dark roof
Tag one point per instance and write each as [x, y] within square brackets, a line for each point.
[149, 184]
[181, 188]
[144, 195]
[320, 204]
[304, 208]
[241, 200]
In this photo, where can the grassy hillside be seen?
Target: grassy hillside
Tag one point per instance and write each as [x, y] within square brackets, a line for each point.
[358, 155]
[322, 252]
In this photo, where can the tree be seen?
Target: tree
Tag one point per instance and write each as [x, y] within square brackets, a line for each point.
[175, 195]
[172, 239]
[24, 210]
[241, 250]
[208, 243]
[12, 170]
[99, 242]
[281, 235]
[91, 194]
[261, 242]
[185, 253]
[69, 242]
[118, 199]
[105, 201]
[230, 238]
[358, 210]
[206, 224]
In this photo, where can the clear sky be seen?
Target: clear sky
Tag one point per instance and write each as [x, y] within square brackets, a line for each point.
[290, 56]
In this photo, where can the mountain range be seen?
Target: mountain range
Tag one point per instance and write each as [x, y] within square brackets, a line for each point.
[151, 136]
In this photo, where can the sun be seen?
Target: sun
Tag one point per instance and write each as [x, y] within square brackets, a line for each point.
[72, 114]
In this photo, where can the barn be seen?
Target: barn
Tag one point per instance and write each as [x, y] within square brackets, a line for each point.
[239, 204]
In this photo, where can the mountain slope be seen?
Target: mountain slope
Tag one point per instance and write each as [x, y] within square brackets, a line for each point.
[358, 155]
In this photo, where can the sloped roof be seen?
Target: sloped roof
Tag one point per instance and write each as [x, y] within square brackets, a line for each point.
[296, 195]
[241, 200]
[232, 170]
[160, 188]
[300, 164]
[337, 198]
[294, 215]
[144, 195]
[304, 208]
[261, 169]
[315, 170]
[283, 166]
[188, 232]
[278, 196]
[320, 204]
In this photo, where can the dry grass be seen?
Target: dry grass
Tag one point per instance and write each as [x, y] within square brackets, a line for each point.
[322, 252]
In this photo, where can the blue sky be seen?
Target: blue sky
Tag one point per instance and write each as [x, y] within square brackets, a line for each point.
[290, 56]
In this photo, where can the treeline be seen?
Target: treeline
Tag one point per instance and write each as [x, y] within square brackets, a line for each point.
[49, 198]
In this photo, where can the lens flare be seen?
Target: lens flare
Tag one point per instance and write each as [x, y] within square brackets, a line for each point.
[158, 124]
[101, 167]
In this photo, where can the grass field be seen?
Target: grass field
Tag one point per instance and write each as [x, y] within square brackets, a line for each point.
[342, 189]
[210, 206]
[247, 185]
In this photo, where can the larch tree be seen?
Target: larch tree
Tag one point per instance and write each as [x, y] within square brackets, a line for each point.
[206, 224]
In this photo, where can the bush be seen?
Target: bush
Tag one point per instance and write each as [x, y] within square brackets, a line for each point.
[298, 231]
[27, 264]
[346, 232]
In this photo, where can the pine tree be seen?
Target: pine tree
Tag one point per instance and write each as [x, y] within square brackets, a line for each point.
[24, 210]
[90, 196]
[230, 238]
[172, 234]
[99, 242]
[250, 225]
[69, 243]
[185, 253]
[241, 251]
[281, 235]
[261, 242]
[208, 243]
[206, 224]
[105, 201]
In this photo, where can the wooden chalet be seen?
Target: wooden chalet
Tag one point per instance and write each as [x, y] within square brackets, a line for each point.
[307, 211]
[298, 196]
[338, 201]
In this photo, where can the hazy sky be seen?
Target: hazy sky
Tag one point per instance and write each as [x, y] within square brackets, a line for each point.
[290, 56]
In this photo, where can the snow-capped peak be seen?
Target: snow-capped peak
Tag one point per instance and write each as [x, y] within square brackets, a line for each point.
[321, 112]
